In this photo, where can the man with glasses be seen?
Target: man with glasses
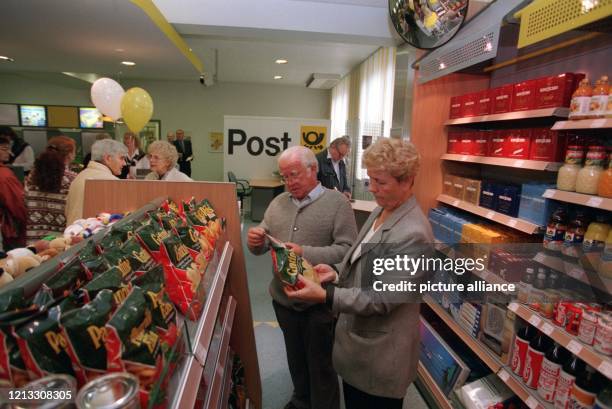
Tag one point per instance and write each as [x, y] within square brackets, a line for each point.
[319, 225]
[332, 169]
[107, 160]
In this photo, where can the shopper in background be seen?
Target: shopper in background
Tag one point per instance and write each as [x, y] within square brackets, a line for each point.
[99, 137]
[183, 147]
[134, 156]
[107, 160]
[376, 344]
[163, 157]
[12, 208]
[332, 169]
[22, 153]
[319, 225]
[46, 189]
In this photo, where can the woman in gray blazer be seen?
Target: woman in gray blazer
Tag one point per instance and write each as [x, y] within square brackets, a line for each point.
[376, 344]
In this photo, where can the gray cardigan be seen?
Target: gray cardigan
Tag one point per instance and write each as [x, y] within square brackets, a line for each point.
[325, 229]
[376, 345]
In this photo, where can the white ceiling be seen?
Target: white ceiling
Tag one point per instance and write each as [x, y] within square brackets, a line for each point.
[83, 36]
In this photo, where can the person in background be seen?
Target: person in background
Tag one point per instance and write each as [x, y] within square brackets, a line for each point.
[319, 225]
[107, 160]
[134, 156]
[376, 342]
[46, 189]
[12, 208]
[22, 153]
[332, 169]
[170, 137]
[183, 147]
[99, 137]
[163, 157]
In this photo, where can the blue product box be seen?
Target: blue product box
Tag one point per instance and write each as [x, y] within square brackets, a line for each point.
[508, 198]
[533, 206]
[488, 195]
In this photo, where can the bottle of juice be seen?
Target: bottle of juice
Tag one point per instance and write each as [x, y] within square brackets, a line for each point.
[587, 180]
[568, 173]
[605, 180]
[555, 231]
[599, 99]
[581, 100]
[594, 243]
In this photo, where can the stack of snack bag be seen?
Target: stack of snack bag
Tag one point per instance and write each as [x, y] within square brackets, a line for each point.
[111, 308]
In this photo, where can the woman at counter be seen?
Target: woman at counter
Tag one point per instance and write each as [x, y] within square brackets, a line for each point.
[163, 157]
[376, 343]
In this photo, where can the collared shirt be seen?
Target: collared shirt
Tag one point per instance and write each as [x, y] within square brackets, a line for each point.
[335, 164]
[310, 197]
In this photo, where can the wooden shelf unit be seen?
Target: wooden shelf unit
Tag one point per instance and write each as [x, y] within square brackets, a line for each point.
[505, 162]
[596, 123]
[512, 116]
[596, 202]
[513, 222]
[433, 389]
[575, 271]
[600, 362]
[130, 195]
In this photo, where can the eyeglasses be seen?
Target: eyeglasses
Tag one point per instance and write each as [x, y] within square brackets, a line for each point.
[291, 176]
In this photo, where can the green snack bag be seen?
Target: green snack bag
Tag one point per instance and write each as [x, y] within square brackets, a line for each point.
[287, 265]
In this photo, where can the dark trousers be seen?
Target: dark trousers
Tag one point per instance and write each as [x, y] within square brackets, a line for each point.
[185, 167]
[358, 399]
[309, 338]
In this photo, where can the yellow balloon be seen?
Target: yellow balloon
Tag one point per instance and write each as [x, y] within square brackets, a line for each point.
[136, 108]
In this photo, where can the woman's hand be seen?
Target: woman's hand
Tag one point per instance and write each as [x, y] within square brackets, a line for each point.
[326, 273]
[296, 248]
[310, 291]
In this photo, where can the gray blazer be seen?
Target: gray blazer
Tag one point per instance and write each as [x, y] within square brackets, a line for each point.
[376, 346]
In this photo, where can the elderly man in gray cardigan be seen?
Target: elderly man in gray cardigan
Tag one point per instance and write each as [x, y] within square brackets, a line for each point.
[318, 224]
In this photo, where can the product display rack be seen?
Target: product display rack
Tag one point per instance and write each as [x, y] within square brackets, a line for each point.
[226, 321]
[505, 162]
[227, 382]
[426, 380]
[596, 202]
[512, 116]
[597, 123]
[587, 353]
[513, 222]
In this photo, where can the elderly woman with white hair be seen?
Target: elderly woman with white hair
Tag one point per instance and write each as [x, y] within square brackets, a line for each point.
[107, 160]
[163, 157]
[376, 343]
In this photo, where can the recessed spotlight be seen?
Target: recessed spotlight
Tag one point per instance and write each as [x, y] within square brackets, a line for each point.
[278, 77]
[128, 63]
[488, 46]
[119, 50]
[5, 58]
[442, 66]
[281, 61]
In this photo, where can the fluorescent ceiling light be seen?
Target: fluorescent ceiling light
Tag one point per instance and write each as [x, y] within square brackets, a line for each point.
[128, 63]
[5, 58]
[281, 61]
[278, 77]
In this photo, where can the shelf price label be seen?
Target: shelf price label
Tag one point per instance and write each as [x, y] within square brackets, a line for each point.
[547, 329]
[532, 402]
[548, 193]
[539, 257]
[512, 223]
[464, 158]
[519, 163]
[513, 307]
[594, 202]
[490, 215]
[598, 123]
[535, 320]
[574, 347]
[504, 376]
[605, 368]
[455, 203]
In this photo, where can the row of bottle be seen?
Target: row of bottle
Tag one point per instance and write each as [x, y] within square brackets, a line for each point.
[591, 102]
[594, 178]
[558, 376]
[581, 239]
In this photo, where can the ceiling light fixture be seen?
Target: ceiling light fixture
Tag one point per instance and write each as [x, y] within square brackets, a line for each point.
[488, 46]
[281, 61]
[119, 50]
[128, 63]
[278, 77]
[5, 58]
[442, 66]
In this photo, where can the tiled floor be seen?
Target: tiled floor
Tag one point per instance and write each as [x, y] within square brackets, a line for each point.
[276, 383]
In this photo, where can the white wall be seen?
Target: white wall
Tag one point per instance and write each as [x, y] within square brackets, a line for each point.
[186, 105]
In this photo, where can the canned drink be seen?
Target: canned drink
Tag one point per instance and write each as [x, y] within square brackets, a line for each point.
[112, 391]
[560, 313]
[603, 334]
[588, 326]
[573, 318]
[56, 392]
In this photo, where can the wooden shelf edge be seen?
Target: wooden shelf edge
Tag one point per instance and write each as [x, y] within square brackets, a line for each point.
[504, 162]
[512, 116]
[595, 123]
[574, 270]
[593, 201]
[512, 222]
[434, 390]
[515, 383]
[601, 363]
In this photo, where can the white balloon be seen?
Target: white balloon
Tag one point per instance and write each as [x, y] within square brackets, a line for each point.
[106, 95]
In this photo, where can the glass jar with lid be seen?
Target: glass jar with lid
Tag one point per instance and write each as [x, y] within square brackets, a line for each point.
[605, 181]
[568, 173]
[587, 180]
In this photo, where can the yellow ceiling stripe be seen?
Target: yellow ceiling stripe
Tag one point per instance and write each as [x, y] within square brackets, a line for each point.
[160, 21]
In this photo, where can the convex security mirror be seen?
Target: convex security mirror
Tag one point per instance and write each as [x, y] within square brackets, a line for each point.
[427, 24]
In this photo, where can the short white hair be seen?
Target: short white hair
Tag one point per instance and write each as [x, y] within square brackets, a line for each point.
[165, 150]
[107, 147]
[305, 155]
